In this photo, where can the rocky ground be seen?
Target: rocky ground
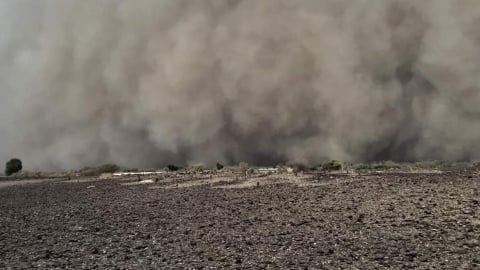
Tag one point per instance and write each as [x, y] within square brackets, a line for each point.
[383, 221]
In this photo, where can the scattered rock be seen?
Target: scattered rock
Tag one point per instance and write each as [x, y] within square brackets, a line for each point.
[365, 223]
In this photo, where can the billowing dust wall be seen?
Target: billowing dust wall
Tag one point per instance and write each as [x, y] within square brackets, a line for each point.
[145, 82]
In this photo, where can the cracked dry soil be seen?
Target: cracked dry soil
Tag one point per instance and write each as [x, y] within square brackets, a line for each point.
[395, 221]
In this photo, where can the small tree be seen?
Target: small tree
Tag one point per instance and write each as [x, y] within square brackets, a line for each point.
[219, 166]
[14, 165]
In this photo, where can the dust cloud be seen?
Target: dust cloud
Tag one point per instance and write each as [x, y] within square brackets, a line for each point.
[146, 82]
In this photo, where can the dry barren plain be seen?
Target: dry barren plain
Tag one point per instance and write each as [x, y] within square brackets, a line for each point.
[362, 221]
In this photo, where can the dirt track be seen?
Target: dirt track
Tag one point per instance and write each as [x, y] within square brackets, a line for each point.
[374, 222]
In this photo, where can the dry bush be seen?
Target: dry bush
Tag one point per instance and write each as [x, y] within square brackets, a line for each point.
[199, 167]
[96, 171]
[282, 169]
[298, 167]
[243, 167]
[332, 165]
[173, 168]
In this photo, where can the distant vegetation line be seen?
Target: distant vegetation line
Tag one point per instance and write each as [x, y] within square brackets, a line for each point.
[13, 167]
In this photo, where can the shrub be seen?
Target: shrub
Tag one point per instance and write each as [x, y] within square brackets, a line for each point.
[108, 168]
[95, 171]
[173, 168]
[386, 165]
[433, 164]
[381, 165]
[282, 169]
[332, 165]
[14, 165]
[243, 166]
[362, 166]
[199, 167]
[297, 166]
[219, 166]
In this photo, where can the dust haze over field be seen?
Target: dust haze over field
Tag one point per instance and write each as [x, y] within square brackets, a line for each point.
[146, 82]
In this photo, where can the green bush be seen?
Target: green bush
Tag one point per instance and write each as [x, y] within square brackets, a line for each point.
[381, 165]
[14, 165]
[219, 166]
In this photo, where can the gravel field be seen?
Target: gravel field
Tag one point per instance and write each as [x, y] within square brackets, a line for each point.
[389, 221]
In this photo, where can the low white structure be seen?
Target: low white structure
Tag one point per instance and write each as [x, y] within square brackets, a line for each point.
[137, 173]
[267, 170]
